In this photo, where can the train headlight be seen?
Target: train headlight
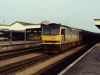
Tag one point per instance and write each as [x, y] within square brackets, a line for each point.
[43, 41]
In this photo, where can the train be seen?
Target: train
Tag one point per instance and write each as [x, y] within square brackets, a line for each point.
[57, 37]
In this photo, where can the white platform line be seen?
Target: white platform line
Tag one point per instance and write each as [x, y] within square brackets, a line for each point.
[62, 72]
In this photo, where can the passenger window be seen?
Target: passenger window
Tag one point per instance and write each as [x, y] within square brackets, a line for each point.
[62, 31]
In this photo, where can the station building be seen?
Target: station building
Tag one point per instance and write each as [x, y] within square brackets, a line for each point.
[28, 31]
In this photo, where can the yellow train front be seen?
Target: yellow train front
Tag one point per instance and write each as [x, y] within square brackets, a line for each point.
[56, 38]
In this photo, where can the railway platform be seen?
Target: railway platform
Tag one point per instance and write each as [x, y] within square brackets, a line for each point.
[16, 42]
[13, 45]
[87, 64]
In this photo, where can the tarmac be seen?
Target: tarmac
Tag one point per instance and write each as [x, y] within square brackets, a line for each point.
[87, 64]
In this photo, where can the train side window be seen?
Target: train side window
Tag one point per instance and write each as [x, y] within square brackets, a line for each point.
[62, 31]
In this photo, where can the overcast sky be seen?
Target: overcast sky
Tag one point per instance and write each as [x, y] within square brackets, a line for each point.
[74, 13]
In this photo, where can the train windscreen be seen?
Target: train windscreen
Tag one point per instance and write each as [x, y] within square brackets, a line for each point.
[50, 31]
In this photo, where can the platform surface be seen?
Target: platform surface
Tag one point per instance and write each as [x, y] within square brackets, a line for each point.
[89, 64]
[16, 42]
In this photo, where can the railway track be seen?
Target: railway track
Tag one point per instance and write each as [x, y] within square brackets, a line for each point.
[62, 64]
[17, 65]
[15, 53]
[37, 65]
[43, 67]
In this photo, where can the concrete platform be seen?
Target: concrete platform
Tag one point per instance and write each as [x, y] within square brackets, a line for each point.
[87, 64]
[13, 45]
[16, 42]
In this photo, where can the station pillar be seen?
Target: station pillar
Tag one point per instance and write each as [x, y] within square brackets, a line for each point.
[10, 37]
[25, 35]
[11, 33]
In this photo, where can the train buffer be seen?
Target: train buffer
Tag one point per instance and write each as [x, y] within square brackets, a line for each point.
[7, 45]
[87, 64]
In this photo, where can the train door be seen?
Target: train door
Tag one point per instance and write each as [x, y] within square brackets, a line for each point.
[63, 33]
[80, 35]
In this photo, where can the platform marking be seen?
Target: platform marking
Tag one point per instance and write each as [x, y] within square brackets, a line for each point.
[67, 68]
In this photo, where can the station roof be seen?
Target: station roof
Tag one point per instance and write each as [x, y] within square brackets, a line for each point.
[24, 23]
[97, 23]
[20, 26]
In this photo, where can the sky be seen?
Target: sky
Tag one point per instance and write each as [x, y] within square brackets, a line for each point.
[74, 13]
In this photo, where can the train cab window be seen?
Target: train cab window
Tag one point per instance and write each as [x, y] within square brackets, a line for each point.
[51, 31]
[46, 31]
[54, 31]
[62, 31]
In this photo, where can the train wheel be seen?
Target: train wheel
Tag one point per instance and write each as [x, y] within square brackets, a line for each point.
[62, 48]
[78, 43]
[66, 47]
[69, 45]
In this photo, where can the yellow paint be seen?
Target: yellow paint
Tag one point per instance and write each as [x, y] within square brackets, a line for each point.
[51, 38]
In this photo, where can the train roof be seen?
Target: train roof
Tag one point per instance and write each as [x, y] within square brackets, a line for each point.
[59, 25]
[72, 28]
[54, 25]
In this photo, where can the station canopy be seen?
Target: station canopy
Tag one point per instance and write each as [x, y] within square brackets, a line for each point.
[97, 23]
